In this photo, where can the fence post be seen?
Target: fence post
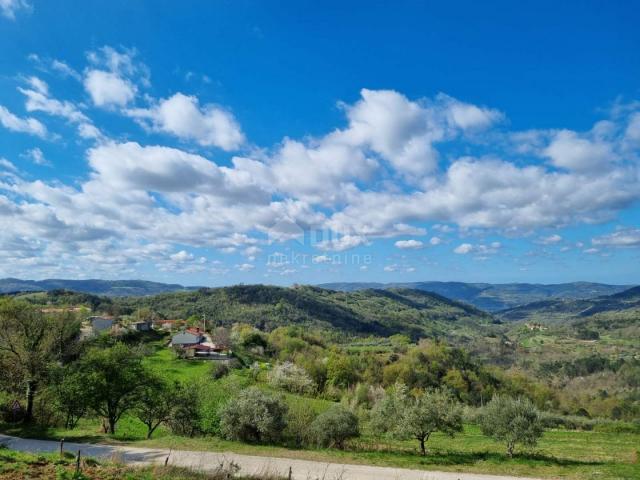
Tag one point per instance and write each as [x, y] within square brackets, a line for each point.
[62, 447]
[78, 463]
[290, 473]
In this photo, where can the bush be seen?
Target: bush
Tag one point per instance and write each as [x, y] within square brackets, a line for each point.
[387, 411]
[333, 427]
[254, 416]
[512, 420]
[299, 420]
[214, 396]
[219, 370]
[290, 377]
[569, 422]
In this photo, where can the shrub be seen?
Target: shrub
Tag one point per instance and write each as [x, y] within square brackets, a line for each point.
[299, 420]
[387, 411]
[569, 422]
[219, 370]
[512, 420]
[333, 427]
[254, 416]
[215, 396]
[290, 377]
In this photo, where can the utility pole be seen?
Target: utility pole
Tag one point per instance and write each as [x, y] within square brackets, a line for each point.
[204, 322]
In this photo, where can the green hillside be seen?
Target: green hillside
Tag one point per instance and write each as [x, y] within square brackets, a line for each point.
[378, 312]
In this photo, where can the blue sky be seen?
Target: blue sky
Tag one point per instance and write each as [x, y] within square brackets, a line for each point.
[212, 143]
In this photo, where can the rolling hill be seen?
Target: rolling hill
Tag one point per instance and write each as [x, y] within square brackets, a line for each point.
[377, 312]
[97, 287]
[495, 297]
[561, 310]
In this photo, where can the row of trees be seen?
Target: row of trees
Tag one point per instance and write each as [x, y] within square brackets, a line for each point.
[404, 416]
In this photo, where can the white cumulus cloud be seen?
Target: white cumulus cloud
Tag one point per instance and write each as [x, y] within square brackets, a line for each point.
[409, 244]
[182, 116]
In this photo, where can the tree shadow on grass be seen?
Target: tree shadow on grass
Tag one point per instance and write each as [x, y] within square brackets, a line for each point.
[45, 433]
[451, 458]
[530, 458]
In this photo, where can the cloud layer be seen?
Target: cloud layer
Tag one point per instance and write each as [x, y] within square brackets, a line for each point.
[395, 167]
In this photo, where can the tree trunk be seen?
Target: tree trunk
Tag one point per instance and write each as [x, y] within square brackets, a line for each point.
[112, 425]
[423, 450]
[151, 428]
[31, 392]
[510, 448]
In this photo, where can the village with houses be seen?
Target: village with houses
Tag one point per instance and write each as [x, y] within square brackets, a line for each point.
[187, 342]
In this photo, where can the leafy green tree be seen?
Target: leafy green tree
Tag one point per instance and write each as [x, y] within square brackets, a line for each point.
[155, 403]
[114, 379]
[341, 370]
[435, 411]
[65, 330]
[513, 421]
[144, 314]
[333, 427]
[254, 416]
[186, 416]
[27, 346]
[70, 395]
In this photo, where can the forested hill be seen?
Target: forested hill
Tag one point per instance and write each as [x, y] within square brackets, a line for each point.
[494, 297]
[379, 312]
[625, 303]
[96, 287]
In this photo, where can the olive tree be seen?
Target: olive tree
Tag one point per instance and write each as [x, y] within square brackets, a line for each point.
[333, 427]
[403, 416]
[513, 421]
[254, 416]
[435, 411]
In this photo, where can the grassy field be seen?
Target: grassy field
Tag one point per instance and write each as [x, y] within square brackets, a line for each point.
[164, 361]
[20, 466]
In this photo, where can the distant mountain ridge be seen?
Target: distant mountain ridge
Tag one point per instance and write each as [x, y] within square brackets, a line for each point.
[485, 296]
[112, 288]
[626, 302]
[496, 297]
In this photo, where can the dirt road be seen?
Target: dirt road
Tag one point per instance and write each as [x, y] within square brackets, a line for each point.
[249, 464]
